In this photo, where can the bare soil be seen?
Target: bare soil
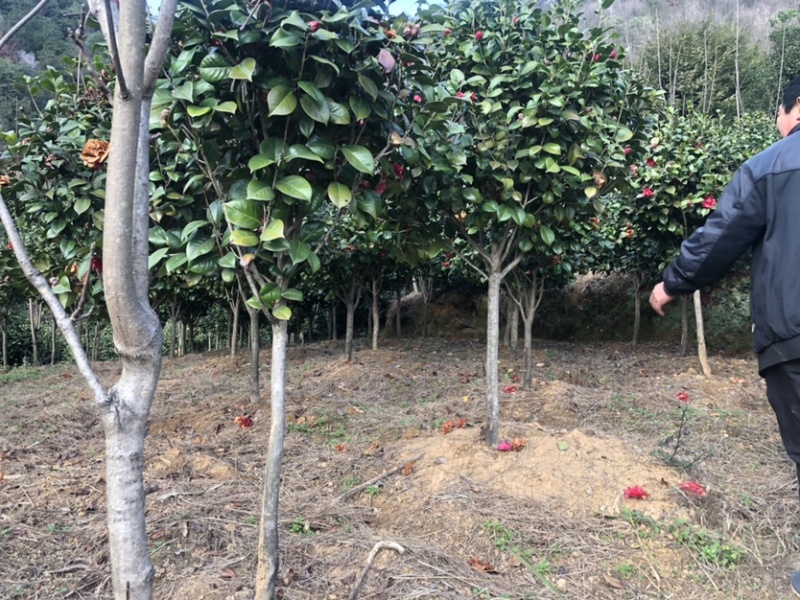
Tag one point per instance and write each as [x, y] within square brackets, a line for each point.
[548, 521]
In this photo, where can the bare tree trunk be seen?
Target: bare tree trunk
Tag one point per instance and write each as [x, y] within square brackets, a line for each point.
[255, 352]
[33, 317]
[684, 325]
[397, 313]
[334, 324]
[425, 287]
[4, 332]
[174, 311]
[377, 282]
[235, 306]
[53, 342]
[492, 428]
[267, 574]
[351, 300]
[637, 308]
[96, 340]
[738, 87]
[702, 353]
[527, 295]
[182, 338]
[514, 330]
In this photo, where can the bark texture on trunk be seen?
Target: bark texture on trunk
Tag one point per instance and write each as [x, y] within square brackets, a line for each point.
[377, 282]
[267, 574]
[702, 353]
[255, 352]
[492, 432]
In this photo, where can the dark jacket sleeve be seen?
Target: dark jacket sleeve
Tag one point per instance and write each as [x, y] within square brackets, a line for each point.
[738, 221]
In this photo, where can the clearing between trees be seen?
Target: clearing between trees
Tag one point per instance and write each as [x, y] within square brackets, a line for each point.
[549, 520]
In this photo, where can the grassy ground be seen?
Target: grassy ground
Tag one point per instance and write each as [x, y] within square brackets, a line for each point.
[548, 521]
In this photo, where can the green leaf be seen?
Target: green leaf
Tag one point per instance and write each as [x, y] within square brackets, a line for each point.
[281, 101]
[228, 275]
[282, 313]
[156, 257]
[198, 248]
[273, 231]
[302, 151]
[240, 237]
[319, 111]
[198, 111]
[228, 261]
[82, 205]
[175, 262]
[244, 70]
[368, 85]
[214, 68]
[325, 61]
[314, 262]
[295, 20]
[295, 186]
[312, 90]
[339, 113]
[246, 214]
[184, 92]
[260, 191]
[226, 107]
[623, 134]
[548, 237]
[360, 107]
[293, 295]
[339, 194]
[260, 161]
[552, 148]
[299, 251]
[360, 158]
[590, 192]
[284, 39]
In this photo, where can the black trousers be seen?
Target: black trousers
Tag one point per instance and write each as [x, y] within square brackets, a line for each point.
[783, 393]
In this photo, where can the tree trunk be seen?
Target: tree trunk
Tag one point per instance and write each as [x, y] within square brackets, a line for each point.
[637, 308]
[334, 324]
[513, 337]
[53, 342]
[702, 354]
[376, 315]
[235, 328]
[32, 317]
[4, 332]
[190, 336]
[527, 352]
[181, 338]
[255, 352]
[267, 574]
[349, 326]
[96, 340]
[492, 432]
[684, 325]
[397, 315]
[174, 310]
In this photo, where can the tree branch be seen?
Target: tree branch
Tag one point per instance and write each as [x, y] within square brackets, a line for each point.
[59, 314]
[112, 44]
[159, 45]
[22, 22]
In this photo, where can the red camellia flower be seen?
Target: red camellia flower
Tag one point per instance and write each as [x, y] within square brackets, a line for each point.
[460, 95]
[447, 31]
[9, 246]
[473, 96]
[398, 170]
[243, 421]
[97, 264]
[504, 446]
[381, 187]
[627, 151]
[613, 55]
[479, 35]
[446, 264]
[634, 170]
[693, 488]
[509, 389]
[417, 98]
[636, 492]
[515, 20]
[597, 57]
[683, 397]
[650, 162]
[314, 26]
[648, 193]
[709, 202]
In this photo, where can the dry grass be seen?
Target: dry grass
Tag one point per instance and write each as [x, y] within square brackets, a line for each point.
[541, 517]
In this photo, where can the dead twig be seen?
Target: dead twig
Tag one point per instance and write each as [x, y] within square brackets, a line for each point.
[352, 492]
[370, 559]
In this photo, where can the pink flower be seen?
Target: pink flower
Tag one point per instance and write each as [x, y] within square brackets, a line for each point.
[314, 26]
[504, 446]
[381, 187]
[683, 397]
[509, 389]
[627, 151]
[417, 98]
[398, 170]
[515, 20]
[473, 96]
[597, 57]
[636, 492]
[479, 35]
[634, 170]
[693, 488]
[648, 193]
[613, 54]
[650, 162]
[709, 202]
[460, 95]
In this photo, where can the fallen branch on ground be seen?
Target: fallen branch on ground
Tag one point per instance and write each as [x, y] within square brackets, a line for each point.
[374, 480]
[370, 559]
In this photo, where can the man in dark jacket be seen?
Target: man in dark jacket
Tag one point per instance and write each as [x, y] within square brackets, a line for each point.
[760, 209]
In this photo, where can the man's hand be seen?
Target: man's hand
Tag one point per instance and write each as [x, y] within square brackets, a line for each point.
[659, 298]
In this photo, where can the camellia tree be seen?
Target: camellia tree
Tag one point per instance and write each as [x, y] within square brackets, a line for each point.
[688, 163]
[523, 133]
[273, 120]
